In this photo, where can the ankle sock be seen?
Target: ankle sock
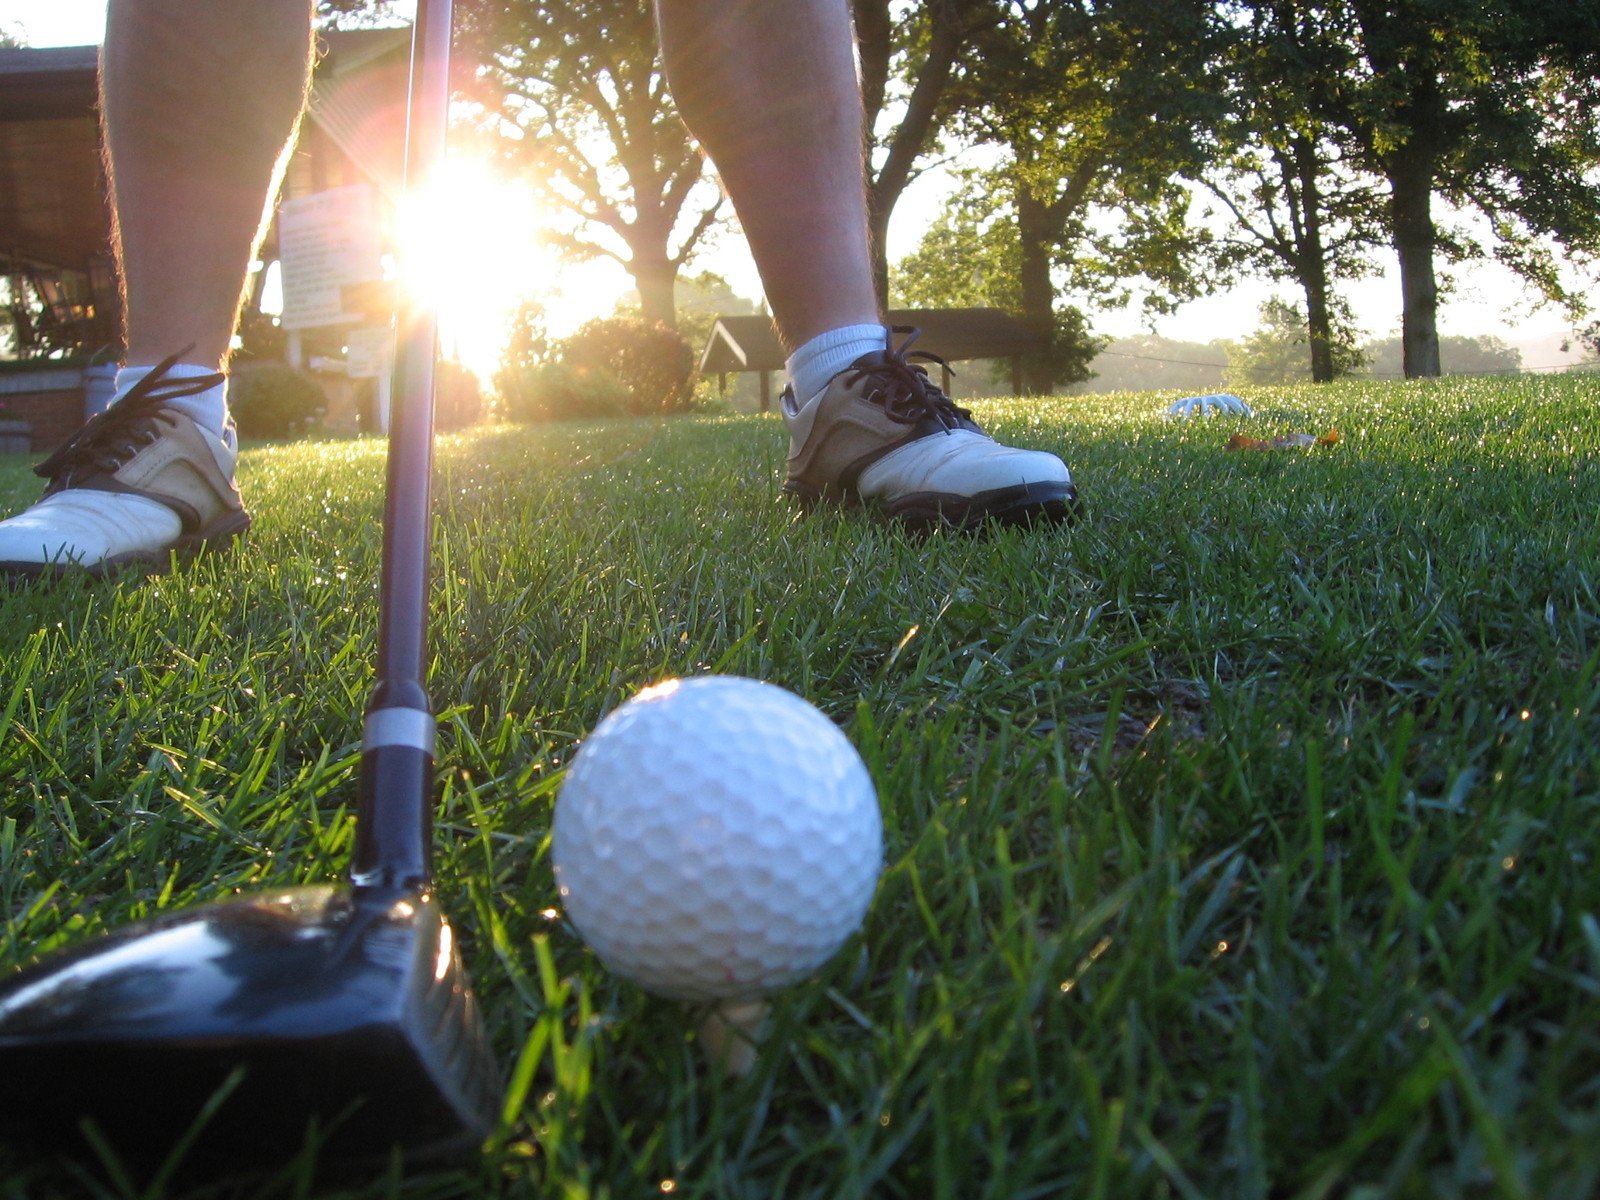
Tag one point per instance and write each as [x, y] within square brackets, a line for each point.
[824, 356]
[208, 409]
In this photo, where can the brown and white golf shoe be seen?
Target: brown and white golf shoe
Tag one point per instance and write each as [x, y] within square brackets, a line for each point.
[138, 484]
[885, 435]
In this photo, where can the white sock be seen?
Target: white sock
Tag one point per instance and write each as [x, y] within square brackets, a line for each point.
[824, 356]
[208, 409]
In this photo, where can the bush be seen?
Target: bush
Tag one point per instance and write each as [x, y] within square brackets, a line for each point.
[276, 402]
[654, 363]
[559, 391]
[457, 396]
[707, 397]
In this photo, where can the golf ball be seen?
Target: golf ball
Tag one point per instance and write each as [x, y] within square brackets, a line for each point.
[716, 838]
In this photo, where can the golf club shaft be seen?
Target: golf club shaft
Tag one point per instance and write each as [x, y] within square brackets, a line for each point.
[395, 818]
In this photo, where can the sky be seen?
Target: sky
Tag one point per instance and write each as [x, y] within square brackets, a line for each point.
[1488, 300]
[54, 22]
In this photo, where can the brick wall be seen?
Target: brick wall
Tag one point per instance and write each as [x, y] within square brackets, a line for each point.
[51, 401]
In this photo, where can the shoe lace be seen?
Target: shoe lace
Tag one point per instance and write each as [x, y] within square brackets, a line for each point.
[904, 389]
[109, 439]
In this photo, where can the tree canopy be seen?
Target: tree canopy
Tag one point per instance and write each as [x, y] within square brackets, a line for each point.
[1150, 148]
[574, 95]
[1320, 131]
[1493, 105]
[1293, 209]
[1094, 109]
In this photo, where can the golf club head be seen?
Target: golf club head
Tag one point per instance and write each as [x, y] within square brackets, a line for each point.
[345, 1008]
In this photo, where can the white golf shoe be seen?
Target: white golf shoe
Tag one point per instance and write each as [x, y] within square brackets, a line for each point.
[883, 434]
[138, 484]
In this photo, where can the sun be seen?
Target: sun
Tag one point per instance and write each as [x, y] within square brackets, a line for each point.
[476, 245]
[471, 244]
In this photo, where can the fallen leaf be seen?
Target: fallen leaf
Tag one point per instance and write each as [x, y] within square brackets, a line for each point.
[1289, 441]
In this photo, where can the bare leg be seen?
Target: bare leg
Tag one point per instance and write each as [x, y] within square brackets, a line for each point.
[199, 98]
[770, 89]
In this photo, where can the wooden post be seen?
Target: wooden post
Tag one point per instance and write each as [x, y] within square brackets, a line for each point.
[1016, 374]
[766, 391]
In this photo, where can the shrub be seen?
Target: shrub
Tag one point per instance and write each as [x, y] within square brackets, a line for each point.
[707, 397]
[276, 402]
[559, 391]
[457, 396]
[654, 363]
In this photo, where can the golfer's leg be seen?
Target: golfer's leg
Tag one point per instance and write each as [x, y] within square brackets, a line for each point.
[769, 87]
[199, 98]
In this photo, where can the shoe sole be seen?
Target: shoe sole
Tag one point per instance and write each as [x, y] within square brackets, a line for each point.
[146, 562]
[1024, 504]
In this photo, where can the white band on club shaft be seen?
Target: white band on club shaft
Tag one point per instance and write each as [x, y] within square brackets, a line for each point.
[399, 727]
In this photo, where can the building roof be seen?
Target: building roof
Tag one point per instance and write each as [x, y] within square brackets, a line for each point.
[741, 343]
[53, 210]
[358, 98]
[50, 81]
[52, 190]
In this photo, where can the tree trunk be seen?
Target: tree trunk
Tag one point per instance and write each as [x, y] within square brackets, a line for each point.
[1038, 292]
[879, 209]
[1312, 259]
[919, 122]
[656, 280]
[1411, 214]
[1319, 330]
[874, 47]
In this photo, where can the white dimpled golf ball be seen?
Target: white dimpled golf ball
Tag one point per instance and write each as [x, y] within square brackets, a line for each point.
[716, 838]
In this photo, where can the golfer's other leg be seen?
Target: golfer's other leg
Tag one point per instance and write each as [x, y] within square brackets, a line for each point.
[770, 88]
[199, 99]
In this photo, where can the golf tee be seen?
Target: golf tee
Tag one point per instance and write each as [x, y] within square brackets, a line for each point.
[731, 1035]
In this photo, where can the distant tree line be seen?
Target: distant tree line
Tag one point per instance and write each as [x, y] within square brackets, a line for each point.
[1272, 354]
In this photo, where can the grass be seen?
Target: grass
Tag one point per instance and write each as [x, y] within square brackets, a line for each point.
[1241, 839]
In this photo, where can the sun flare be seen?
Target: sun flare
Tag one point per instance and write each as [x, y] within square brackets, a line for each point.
[475, 244]
[471, 244]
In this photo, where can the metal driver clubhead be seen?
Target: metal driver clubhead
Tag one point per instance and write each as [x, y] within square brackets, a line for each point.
[233, 1032]
[338, 1015]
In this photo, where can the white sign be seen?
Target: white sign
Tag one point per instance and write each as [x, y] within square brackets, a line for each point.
[326, 241]
[369, 352]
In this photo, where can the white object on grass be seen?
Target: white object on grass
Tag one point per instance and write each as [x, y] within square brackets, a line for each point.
[716, 838]
[1209, 403]
[731, 1035]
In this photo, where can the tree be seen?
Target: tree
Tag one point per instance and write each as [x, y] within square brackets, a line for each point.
[1276, 351]
[1297, 212]
[528, 339]
[575, 97]
[1493, 105]
[910, 59]
[1096, 107]
[972, 257]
